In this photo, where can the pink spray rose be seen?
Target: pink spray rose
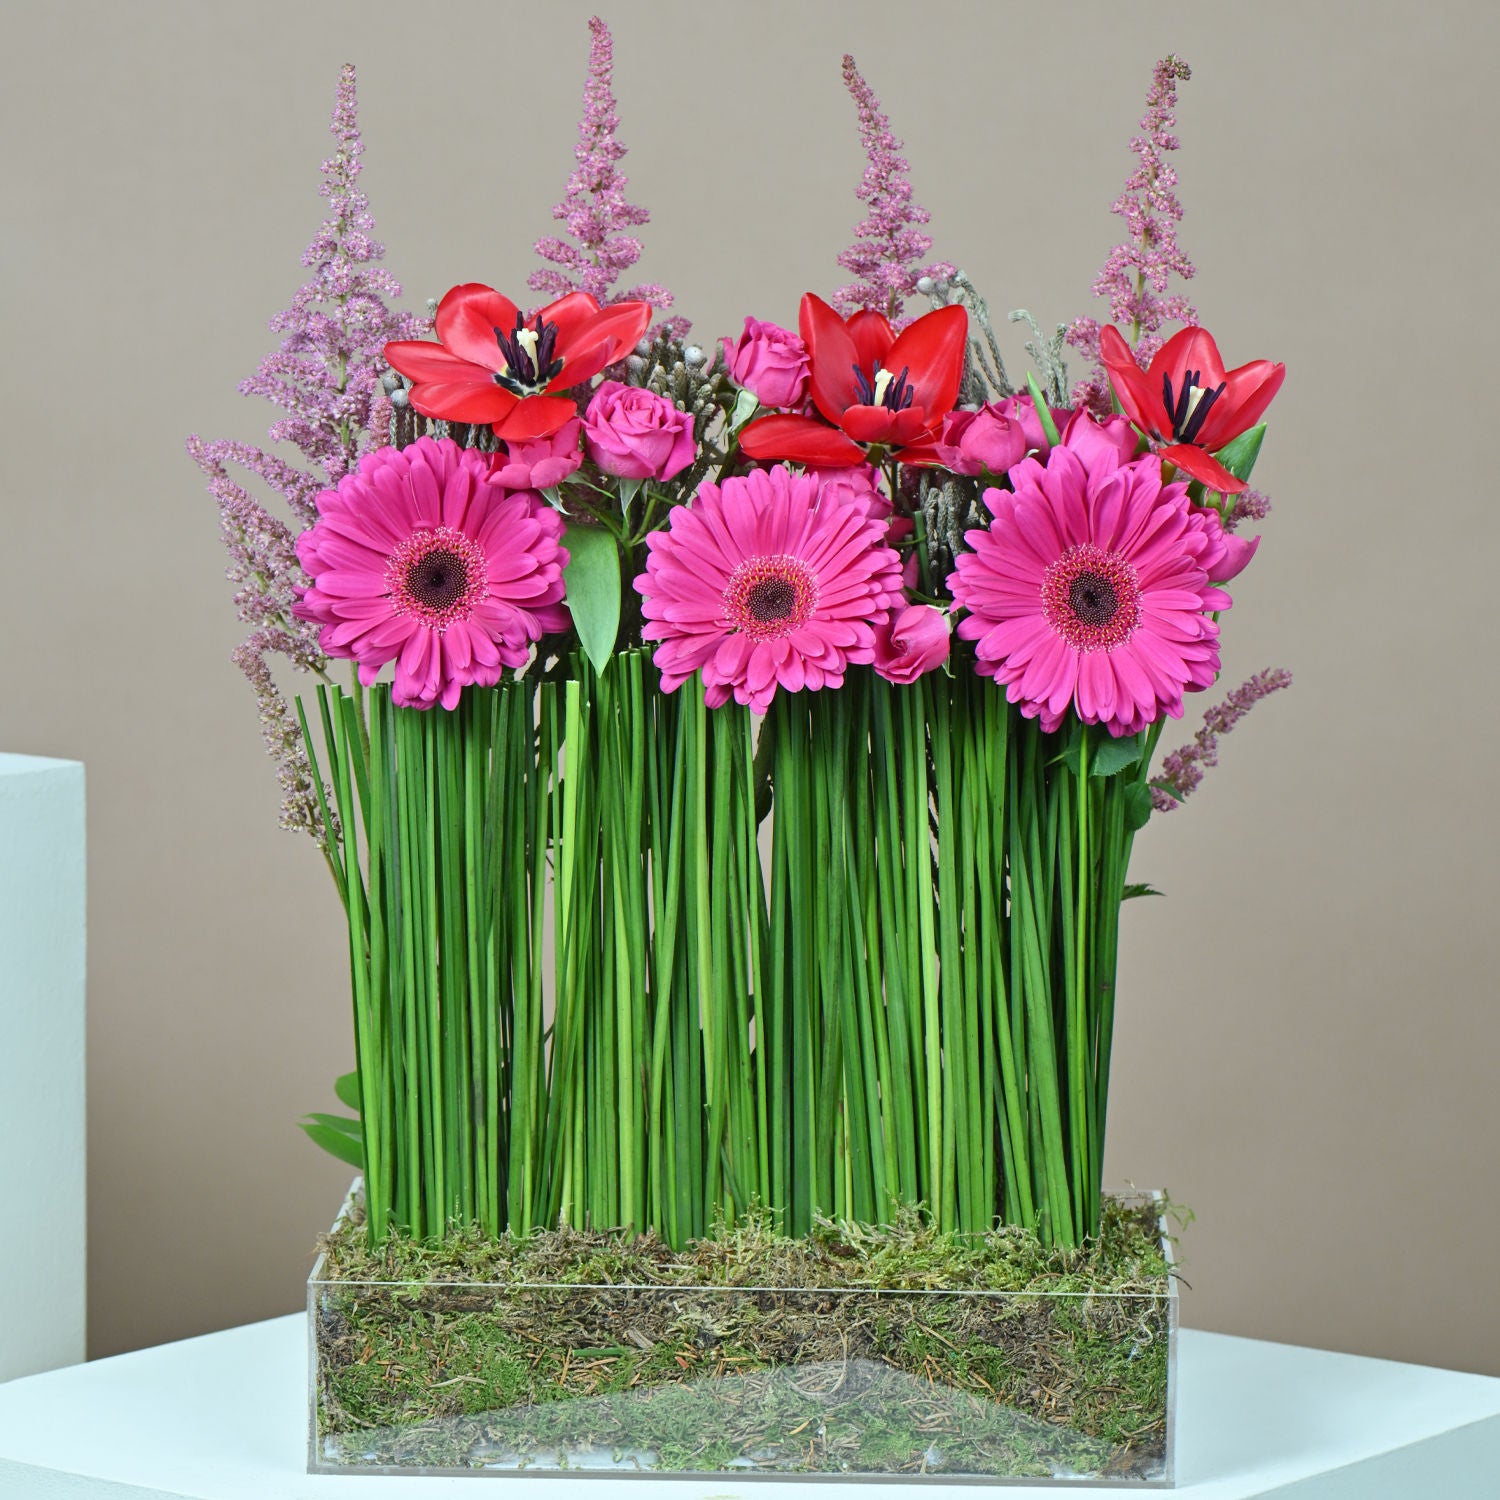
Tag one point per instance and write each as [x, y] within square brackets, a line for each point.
[541, 464]
[633, 433]
[769, 362]
[981, 442]
[1230, 554]
[1022, 409]
[1096, 444]
[911, 640]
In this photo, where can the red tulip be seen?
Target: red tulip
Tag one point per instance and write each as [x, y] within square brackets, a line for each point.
[493, 364]
[1187, 404]
[876, 388]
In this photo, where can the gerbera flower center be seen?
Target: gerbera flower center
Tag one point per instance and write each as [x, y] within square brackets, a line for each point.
[886, 389]
[1091, 598]
[1188, 409]
[769, 597]
[531, 362]
[436, 574]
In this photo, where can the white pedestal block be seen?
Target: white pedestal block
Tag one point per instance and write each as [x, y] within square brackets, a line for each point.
[224, 1417]
[42, 1183]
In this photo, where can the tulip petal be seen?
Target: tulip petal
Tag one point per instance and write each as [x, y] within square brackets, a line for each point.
[873, 336]
[1190, 348]
[1248, 391]
[569, 314]
[467, 319]
[833, 356]
[800, 440]
[463, 400]
[606, 337]
[535, 417]
[1138, 398]
[420, 359]
[931, 351]
[869, 424]
[1197, 464]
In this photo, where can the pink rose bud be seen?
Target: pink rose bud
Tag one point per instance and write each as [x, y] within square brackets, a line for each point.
[769, 362]
[1099, 446]
[981, 442]
[1022, 409]
[541, 464]
[856, 483]
[1228, 555]
[633, 433]
[910, 641]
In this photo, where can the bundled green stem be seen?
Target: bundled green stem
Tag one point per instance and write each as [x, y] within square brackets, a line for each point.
[586, 992]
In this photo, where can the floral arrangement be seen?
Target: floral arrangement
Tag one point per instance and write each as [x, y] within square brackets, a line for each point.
[615, 605]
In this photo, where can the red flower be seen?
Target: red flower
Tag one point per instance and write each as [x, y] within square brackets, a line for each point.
[1187, 402]
[876, 387]
[492, 364]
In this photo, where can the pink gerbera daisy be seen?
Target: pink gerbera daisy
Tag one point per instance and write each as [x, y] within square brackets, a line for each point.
[419, 558]
[770, 579]
[1091, 589]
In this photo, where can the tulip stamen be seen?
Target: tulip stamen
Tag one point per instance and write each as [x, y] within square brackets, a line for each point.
[531, 364]
[1188, 409]
[889, 390]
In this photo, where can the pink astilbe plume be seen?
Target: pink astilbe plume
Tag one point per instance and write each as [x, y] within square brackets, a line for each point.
[1136, 274]
[888, 243]
[595, 208]
[325, 377]
[1182, 770]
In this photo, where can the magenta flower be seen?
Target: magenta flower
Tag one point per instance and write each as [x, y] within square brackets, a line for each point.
[1091, 590]
[1109, 443]
[911, 641]
[980, 442]
[771, 363]
[768, 580]
[540, 464]
[633, 433]
[419, 558]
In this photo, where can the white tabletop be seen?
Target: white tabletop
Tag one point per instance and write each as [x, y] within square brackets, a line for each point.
[224, 1417]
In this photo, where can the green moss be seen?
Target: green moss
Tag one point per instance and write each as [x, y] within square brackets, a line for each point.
[856, 1350]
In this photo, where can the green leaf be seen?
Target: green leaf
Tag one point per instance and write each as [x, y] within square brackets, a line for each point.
[1240, 455]
[592, 577]
[746, 404]
[1071, 752]
[629, 489]
[1132, 891]
[1168, 788]
[553, 496]
[1043, 411]
[1137, 805]
[339, 1137]
[1111, 756]
[346, 1087]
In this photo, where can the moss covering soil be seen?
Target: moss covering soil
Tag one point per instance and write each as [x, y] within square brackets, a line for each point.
[854, 1351]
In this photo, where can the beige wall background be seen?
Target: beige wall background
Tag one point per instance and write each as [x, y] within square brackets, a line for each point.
[1308, 1031]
